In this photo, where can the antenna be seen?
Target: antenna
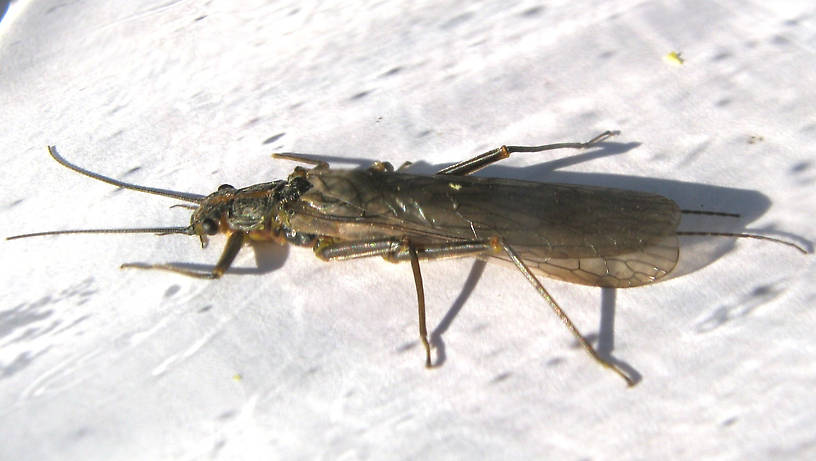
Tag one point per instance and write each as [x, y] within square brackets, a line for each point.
[186, 196]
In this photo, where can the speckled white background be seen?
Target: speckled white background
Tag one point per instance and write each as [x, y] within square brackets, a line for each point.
[98, 363]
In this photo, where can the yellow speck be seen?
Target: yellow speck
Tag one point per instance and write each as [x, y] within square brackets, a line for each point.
[237, 377]
[675, 58]
[455, 186]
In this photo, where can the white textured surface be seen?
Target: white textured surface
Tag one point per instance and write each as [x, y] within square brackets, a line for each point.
[97, 363]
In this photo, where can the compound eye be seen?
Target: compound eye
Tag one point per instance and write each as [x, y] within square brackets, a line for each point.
[225, 186]
[209, 226]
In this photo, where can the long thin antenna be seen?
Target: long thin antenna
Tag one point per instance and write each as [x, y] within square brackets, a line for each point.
[140, 230]
[188, 197]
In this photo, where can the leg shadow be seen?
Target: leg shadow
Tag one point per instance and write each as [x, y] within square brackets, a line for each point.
[436, 335]
[606, 334]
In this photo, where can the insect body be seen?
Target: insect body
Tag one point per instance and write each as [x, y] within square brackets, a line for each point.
[589, 235]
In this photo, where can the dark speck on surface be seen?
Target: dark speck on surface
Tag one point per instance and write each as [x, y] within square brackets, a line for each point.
[761, 290]
[274, 138]
[392, 71]
[227, 415]
[554, 361]
[780, 40]
[532, 12]
[173, 289]
[501, 377]
[730, 421]
[360, 95]
[800, 167]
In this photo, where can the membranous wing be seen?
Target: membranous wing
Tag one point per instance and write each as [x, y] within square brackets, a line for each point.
[582, 234]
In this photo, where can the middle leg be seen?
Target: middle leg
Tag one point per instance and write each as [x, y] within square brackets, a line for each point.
[402, 249]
